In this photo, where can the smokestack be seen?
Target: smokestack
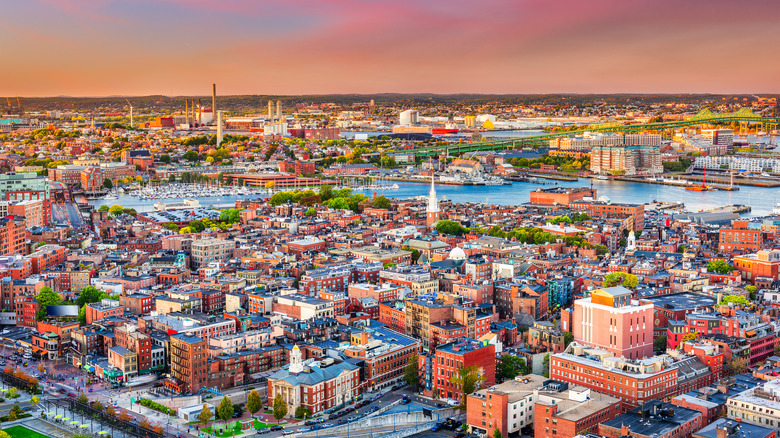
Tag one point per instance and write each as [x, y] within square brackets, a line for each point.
[279, 109]
[187, 109]
[214, 100]
[270, 110]
[219, 128]
[200, 112]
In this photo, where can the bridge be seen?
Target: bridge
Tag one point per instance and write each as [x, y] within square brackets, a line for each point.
[705, 117]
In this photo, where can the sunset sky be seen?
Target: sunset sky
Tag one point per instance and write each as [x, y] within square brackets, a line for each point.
[180, 47]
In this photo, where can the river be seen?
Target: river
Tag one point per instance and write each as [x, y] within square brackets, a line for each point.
[761, 199]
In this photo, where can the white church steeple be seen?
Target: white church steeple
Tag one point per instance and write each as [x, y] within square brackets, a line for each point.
[433, 204]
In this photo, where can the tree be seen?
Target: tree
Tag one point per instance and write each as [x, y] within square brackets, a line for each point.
[451, 227]
[124, 416]
[165, 158]
[145, 424]
[736, 365]
[752, 291]
[83, 399]
[254, 402]
[47, 297]
[205, 415]
[310, 212]
[280, 407]
[172, 178]
[719, 267]
[621, 278]
[736, 300]
[108, 184]
[659, 343]
[497, 434]
[191, 156]
[34, 400]
[687, 337]
[14, 413]
[115, 210]
[110, 411]
[381, 201]
[546, 365]
[13, 392]
[568, 338]
[97, 405]
[225, 409]
[467, 379]
[302, 412]
[157, 428]
[511, 366]
[90, 294]
[41, 368]
[4, 434]
[103, 208]
[412, 372]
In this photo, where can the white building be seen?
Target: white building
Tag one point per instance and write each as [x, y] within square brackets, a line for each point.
[759, 406]
[408, 118]
[754, 165]
[720, 137]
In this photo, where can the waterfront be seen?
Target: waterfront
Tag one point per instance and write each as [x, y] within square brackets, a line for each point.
[762, 200]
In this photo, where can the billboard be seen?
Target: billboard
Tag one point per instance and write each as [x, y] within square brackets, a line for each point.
[69, 310]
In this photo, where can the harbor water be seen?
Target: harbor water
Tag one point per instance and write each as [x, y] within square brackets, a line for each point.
[761, 200]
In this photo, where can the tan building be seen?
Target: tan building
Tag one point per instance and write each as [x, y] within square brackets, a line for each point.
[205, 251]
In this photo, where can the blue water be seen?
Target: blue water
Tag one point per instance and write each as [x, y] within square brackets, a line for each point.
[762, 200]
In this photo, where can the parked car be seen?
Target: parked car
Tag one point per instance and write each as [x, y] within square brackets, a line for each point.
[275, 428]
[302, 429]
[263, 431]
[287, 432]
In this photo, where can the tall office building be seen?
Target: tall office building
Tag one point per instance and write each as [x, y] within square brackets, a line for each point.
[408, 117]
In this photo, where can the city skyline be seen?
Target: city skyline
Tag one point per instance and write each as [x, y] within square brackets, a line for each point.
[173, 47]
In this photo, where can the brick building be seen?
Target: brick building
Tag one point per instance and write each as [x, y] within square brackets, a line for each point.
[449, 358]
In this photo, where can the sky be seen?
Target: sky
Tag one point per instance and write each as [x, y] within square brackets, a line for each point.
[293, 47]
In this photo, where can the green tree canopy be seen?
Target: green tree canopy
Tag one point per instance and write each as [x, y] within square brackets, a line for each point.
[115, 210]
[737, 300]
[467, 379]
[659, 343]
[568, 338]
[624, 279]
[381, 201]
[302, 412]
[719, 267]
[280, 407]
[205, 415]
[107, 183]
[412, 372]
[46, 297]
[225, 409]
[254, 402]
[546, 365]
[451, 228]
[511, 366]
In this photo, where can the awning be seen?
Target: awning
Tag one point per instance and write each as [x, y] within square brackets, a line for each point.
[750, 333]
[89, 368]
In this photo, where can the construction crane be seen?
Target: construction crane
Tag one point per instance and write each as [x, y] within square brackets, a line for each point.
[131, 112]
[19, 104]
[9, 106]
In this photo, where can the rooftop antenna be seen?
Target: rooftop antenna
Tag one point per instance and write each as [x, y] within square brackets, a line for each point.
[131, 112]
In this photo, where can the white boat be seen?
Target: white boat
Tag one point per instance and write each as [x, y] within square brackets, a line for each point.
[602, 178]
[776, 210]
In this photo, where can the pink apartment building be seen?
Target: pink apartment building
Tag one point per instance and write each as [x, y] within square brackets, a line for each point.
[608, 319]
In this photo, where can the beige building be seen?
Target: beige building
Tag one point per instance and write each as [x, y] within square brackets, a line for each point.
[205, 251]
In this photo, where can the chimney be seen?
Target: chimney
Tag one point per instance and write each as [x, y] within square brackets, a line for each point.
[214, 100]
[626, 431]
[721, 432]
[279, 109]
[186, 108]
[200, 112]
[270, 110]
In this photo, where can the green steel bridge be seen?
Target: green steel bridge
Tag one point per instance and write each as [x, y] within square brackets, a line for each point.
[705, 117]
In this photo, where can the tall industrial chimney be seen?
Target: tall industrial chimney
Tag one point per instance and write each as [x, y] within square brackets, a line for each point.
[270, 110]
[219, 128]
[279, 109]
[200, 112]
[214, 100]
[187, 110]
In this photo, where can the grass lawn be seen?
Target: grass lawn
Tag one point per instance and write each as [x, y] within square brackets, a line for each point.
[23, 432]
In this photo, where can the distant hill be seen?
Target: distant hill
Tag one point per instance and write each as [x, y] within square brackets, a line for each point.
[159, 103]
